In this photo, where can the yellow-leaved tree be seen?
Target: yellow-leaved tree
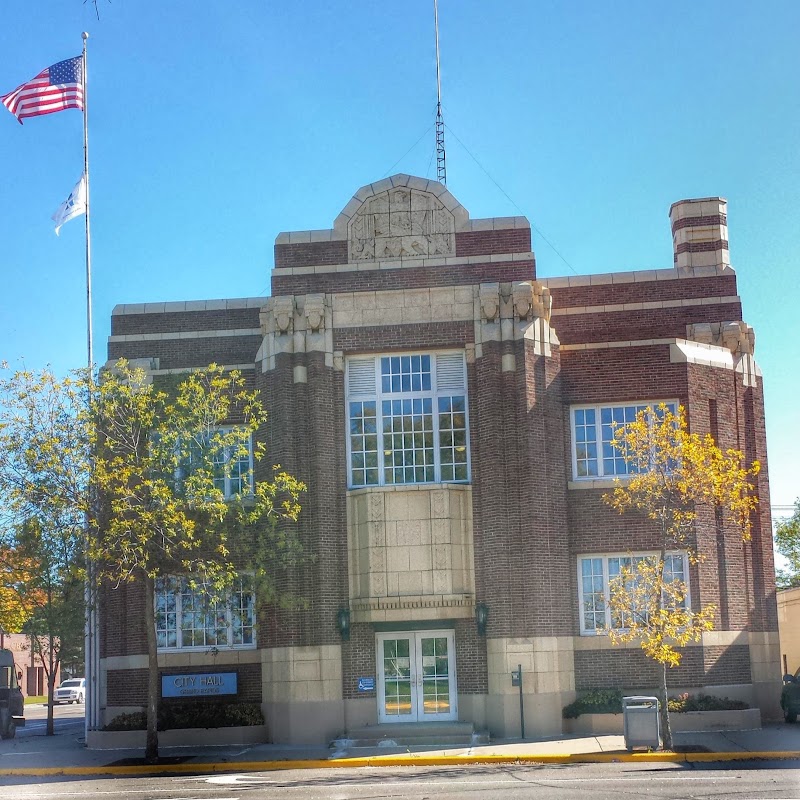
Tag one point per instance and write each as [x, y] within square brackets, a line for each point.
[671, 473]
[178, 501]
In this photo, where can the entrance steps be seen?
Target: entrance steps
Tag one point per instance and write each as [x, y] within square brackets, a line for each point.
[394, 737]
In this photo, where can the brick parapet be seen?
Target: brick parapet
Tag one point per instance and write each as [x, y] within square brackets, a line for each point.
[457, 274]
[176, 321]
[682, 288]
[468, 243]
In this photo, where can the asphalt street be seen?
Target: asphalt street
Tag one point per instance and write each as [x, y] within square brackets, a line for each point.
[741, 780]
[67, 719]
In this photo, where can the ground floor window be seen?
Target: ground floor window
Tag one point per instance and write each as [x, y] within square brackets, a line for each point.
[595, 574]
[193, 617]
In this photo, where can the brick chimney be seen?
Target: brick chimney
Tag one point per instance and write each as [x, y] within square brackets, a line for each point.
[700, 233]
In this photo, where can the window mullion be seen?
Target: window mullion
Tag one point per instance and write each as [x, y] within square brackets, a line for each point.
[437, 466]
[178, 616]
[379, 423]
[229, 619]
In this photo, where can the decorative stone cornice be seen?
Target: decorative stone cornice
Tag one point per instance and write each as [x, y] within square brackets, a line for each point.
[513, 311]
[736, 336]
[296, 324]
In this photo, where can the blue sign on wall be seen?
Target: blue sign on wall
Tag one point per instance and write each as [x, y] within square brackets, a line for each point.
[204, 684]
[366, 684]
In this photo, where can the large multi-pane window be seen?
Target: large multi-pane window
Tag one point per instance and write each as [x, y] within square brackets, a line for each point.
[189, 617]
[593, 454]
[407, 419]
[595, 574]
[232, 468]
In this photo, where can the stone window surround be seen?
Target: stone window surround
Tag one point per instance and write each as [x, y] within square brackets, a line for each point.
[603, 632]
[377, 396]
[598, 407]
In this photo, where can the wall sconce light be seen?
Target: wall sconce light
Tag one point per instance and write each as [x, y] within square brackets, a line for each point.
[481, 617]
[343, 623]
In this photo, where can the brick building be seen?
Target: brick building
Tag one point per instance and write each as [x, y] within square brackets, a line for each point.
[28, 664]
[448, 411]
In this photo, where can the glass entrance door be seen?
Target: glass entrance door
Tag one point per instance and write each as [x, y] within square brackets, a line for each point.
[416, 676]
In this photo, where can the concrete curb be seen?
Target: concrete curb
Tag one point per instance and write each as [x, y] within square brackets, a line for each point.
[401, 761]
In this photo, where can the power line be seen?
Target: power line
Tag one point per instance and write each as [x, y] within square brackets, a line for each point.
[511, 200]
[425, 133]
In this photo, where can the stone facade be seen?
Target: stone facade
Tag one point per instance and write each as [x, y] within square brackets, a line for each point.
[789, 628]
[405, 270]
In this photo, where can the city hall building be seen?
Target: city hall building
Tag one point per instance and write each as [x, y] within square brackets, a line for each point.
[451, 414]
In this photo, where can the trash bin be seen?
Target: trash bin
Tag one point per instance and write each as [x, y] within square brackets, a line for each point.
[641, 722]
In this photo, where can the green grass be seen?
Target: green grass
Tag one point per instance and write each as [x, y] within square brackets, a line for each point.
[35, 699]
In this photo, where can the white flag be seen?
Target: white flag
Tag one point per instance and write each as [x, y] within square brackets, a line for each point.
[73, 206]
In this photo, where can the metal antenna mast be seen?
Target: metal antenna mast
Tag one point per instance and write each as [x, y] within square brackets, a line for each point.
[441, 167]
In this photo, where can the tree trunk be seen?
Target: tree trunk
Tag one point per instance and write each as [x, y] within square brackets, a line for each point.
[666, 728]
[151, 745]
[51, 683]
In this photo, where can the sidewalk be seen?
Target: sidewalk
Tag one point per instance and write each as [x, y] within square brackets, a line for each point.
[65, 754]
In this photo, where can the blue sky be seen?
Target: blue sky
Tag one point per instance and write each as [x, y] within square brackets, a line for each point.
[214, 126]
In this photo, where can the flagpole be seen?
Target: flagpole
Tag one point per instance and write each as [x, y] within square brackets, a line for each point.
[90, 353]
[91, 642]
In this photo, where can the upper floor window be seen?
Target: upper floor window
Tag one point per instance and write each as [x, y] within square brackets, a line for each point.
[593, 454]
[189, 617]
[595, 574]
[231, 465]
[407, 419]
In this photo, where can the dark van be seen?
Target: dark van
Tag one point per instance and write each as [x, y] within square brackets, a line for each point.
[11, 701]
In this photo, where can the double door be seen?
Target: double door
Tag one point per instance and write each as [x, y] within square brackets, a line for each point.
[416, 676]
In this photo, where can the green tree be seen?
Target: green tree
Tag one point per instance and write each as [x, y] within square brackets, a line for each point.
[787, 542]
[54, 593]
[672, 473]
[44, 460]
[163, 455]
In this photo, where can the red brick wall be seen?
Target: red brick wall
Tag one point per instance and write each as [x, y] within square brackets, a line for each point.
[178, 353]
[174, 321]
[306, 436]
[631, 669]
[423, 335]
[659, 323]
[644, 292]
[403, 278]
[128, 687]
[468, 243]
[122, 630]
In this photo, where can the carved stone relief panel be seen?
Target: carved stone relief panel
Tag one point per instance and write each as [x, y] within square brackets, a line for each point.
[401, 223]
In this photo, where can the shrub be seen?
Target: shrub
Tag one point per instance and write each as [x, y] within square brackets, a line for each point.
[704, 702]
[192, 715]
[135, 721]
[597, 701]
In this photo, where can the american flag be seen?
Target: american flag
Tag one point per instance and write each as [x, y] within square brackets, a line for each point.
[54, 89]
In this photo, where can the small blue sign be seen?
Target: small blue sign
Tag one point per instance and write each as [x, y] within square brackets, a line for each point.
[201, 684]
[366, 684]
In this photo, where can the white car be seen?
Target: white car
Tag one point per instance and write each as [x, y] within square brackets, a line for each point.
[71, 691]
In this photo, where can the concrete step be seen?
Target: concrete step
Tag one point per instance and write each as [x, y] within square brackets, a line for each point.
[410, 735]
